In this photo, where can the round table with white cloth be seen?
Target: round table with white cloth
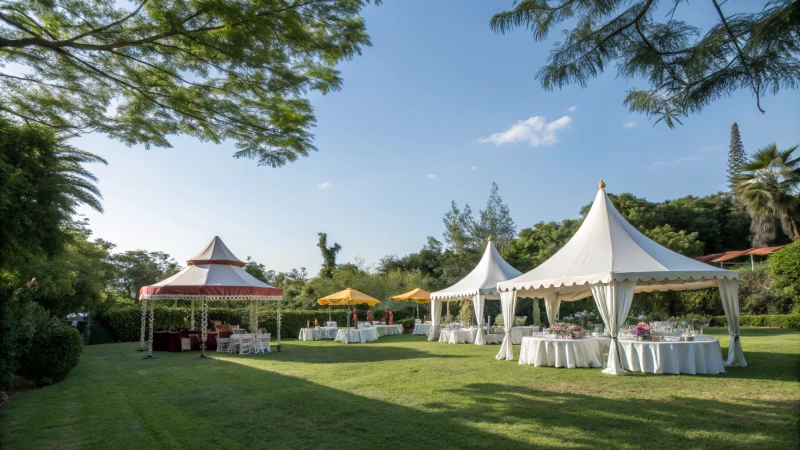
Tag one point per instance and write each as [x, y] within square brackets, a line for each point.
[308, 334]
[462, 336]
[367, 334]
[546, 351]
[517, 333]
[700, 356]
[422, 329]
[388, 330]
[494, 338]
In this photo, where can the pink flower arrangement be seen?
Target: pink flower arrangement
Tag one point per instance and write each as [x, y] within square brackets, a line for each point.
[567, 330]
[642, 330]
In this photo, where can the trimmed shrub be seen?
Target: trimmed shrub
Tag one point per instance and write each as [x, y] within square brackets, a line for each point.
[766, 320]
[408, 324]
[53, 352]
[784, 266]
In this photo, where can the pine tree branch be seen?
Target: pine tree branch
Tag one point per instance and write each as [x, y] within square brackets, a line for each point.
[756, 84]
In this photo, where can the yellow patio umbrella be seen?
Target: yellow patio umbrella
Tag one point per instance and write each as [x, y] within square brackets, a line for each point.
[417, 296]
[348, 297]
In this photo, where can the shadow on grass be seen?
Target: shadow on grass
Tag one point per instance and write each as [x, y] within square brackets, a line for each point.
[346, 353]
[262, 408]
[680, 422]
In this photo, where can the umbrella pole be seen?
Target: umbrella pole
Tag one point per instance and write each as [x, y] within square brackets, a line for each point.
[348, 317]
[329, 314]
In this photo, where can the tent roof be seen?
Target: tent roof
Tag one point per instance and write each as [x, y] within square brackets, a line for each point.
[417, 295]
[491, 270]
[348, 296]
[216, 251]
[214, 274]
[607, 248]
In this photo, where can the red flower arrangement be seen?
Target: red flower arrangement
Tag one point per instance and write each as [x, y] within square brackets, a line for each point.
[369, 316]
[389, 317]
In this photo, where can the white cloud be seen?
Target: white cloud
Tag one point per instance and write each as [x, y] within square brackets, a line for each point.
[572, 108]
[325, 185]
[473, 167]
[536, 130]
[432, 176]
[629, 124]
[711, 147]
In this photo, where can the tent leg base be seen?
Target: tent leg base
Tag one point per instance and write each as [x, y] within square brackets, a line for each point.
[149, 357]
[279, 348]
[203, 356]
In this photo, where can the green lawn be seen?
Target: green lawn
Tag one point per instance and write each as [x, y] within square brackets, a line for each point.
[405, 392]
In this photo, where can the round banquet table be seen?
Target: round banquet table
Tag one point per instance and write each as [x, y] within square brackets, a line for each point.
[308, 334]
[422, 329]
[541, 351]
[701, 356]
[388, 330]
[517, 333]
[463, 336]
[367, 334]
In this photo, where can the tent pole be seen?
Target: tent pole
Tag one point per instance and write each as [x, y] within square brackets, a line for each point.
[144, 325]
[204, 326]
[191, 326]
[150, 340]
[279, 324]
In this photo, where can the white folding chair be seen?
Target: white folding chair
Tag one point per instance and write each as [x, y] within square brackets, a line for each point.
[223, 344]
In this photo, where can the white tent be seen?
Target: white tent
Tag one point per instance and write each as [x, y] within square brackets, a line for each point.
[479, 285]
[214, 274]
[611, 260]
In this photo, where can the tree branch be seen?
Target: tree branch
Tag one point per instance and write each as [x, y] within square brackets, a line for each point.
[756, 84]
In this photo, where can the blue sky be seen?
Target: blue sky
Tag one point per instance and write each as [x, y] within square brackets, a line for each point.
[423, 119]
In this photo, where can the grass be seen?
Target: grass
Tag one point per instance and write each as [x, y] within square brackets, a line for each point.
[406, 392]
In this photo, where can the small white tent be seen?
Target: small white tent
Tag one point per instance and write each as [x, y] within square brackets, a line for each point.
[611, 260]
[478, 285]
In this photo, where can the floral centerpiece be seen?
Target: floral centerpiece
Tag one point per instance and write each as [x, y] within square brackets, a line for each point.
[641, 331]
[369, 316]
[567, 330]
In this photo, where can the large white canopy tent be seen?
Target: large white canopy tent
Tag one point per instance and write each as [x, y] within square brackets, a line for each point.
[611, 260]
[479, 285]
[214, 274]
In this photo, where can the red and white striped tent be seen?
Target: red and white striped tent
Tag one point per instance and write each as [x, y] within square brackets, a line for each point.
[214, 274]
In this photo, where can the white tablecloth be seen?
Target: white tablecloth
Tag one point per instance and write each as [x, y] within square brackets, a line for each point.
[331, 324]
[388, 330]
[551, 352]
[494, 338]
[308, 334]
[422, 329]
[359, 335]
[327, 332]
[517, 333]
[464, 336]
[693, 357]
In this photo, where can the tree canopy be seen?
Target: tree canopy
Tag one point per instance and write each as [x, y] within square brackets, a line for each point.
[686, 67]
[212, 69]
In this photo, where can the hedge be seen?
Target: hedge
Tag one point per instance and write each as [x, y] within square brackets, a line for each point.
[54, 351]
[772, 321]
[125, 322]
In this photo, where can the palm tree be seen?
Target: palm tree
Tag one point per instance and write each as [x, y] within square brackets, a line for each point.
[768, 187]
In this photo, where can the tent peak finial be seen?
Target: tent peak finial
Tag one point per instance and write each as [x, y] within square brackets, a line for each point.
[602, 185]
[490, 239]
